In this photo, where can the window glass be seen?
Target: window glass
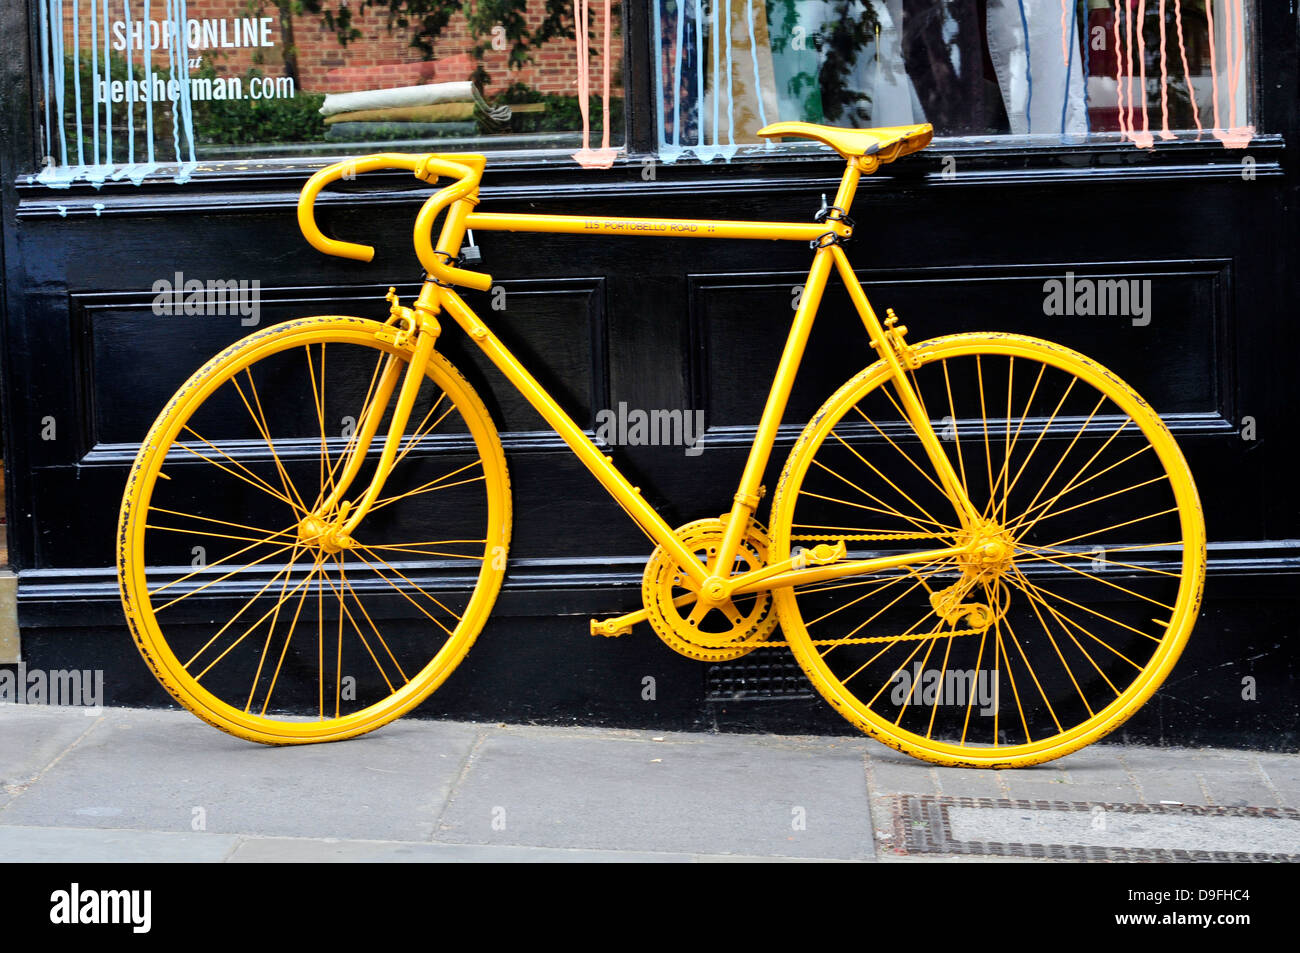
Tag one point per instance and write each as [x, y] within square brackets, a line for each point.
[132, 87]
[1053, 71]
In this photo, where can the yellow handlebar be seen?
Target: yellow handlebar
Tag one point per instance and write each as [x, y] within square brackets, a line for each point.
[466, 169]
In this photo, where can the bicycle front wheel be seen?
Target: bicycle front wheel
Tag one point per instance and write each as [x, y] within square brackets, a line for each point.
[1085, 570]
[249, 613]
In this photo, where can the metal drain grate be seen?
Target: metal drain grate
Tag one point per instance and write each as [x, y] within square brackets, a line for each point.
[931, 824]
[755, 679]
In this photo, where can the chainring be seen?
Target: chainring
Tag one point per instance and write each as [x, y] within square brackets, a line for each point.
[711, 633]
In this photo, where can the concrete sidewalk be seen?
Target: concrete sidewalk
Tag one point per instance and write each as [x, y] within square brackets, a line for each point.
[127, 785]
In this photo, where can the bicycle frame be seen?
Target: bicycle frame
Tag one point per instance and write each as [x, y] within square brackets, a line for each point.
[421, 328]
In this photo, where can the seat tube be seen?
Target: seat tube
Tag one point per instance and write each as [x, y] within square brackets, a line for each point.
[747, 497]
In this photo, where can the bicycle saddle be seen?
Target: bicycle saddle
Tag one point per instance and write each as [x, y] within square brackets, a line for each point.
[885, 143]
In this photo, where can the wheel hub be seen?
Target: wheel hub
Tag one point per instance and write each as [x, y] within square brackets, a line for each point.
[325, 535]
[991, 551]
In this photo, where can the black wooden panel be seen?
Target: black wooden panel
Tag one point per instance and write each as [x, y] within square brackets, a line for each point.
[130, 359]
[1178, 349]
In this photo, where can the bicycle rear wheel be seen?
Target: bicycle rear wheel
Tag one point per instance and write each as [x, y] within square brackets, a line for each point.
[1087, 581]
[250, 617]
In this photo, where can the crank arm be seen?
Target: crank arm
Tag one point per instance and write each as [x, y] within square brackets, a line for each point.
[619, 625]
[622, 624]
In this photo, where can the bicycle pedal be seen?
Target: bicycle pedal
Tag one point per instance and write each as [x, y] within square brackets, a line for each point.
[609, 628]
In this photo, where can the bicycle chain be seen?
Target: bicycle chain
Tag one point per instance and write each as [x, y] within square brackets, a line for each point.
[876, 639]
[865, 537]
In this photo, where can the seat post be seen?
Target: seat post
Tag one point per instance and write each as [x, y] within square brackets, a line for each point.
[848, 186]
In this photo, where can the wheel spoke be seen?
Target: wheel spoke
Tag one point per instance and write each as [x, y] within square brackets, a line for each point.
[956, 429]
[354, 440]
[1044, 507]
[193, 592]
[256, 669]
[870, 509]
[287, 572]
[267, 614]
[431, 486]
[887, 508]
[259, 421]
[1062, 444]
[255, 481]
[1107, 582]
[306, 584]
[1045, 593]
[318, 396]
[905, 455]
[206, 519]
[404, 593]
[1066, 623]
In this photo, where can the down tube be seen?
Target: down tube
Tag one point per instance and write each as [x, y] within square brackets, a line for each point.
[623, 492]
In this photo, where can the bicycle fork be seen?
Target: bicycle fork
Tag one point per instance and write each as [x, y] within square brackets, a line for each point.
[331, 523]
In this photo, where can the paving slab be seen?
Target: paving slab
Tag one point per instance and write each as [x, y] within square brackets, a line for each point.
[33, 737]
[1031, 781]
[1117, 793]
[958, 782]
[891, 771]
[1238, 791]
[737, 794]
[97, 846]
[253, 850]
[1163, 775]
[1100, 828]
[157, 771]
[1097, 757]
[1283, 774]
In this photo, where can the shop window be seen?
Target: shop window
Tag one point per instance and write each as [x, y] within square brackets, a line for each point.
[1047, 72]
[134, 87]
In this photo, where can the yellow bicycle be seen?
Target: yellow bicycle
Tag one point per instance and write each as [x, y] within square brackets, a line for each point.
[984, 549]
